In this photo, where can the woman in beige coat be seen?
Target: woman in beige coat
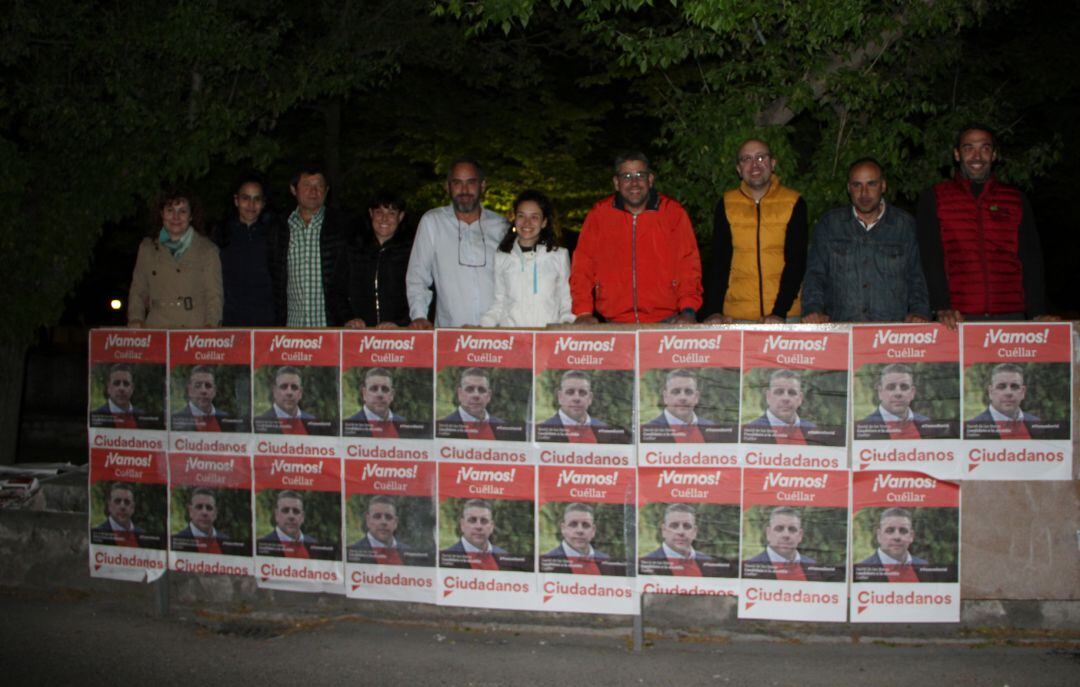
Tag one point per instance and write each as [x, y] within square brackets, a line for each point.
[177, 278]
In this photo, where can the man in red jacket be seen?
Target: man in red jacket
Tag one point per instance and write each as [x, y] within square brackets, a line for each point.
[979, 245]
[637, 257]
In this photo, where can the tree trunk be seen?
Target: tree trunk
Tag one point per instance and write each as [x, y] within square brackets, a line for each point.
[12, 372]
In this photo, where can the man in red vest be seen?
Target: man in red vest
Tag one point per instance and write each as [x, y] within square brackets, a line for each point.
[978, 241]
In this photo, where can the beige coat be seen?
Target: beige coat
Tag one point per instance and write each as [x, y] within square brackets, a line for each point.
[167, 293]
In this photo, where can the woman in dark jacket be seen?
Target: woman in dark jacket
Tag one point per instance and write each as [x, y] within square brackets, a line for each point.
[377, 260]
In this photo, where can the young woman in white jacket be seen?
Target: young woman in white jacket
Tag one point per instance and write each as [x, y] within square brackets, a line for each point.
[532, 272]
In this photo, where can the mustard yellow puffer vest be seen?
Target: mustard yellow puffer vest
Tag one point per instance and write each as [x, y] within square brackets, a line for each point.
[757, 240]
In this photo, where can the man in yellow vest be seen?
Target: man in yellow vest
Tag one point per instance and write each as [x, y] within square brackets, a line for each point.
[759, 245]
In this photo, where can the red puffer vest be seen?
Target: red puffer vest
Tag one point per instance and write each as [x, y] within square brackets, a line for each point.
[981, 241]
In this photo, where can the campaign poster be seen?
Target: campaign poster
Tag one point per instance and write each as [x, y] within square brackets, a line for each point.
[688, 393]
[127, 381]
[906, 398]
[688, 530]
[295, 386]
[487, 535]
[905, 548]
[584, 405]
[297, 523]
[586, 540]
[482, 390]
[387, 391]
[1018, 401]
[390, 530]
[794, 545]
[210, 391]
[794, 399]
[210, 513]
[128, 519]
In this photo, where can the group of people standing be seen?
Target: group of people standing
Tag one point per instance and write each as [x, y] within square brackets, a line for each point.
[972, 252]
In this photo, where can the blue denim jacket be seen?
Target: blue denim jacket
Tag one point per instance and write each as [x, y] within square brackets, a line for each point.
[854, 275]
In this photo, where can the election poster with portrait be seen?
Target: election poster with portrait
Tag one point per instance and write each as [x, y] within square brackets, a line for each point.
[129, 521]
[386, 393]
[126, 388]
[297, 523]
[584, 406]
[487, 535]
[390, 516]
[295, 387]
[688, 397]
[1017, 404]
[905, 548]
[688, 530]
[210, 513]
[483, 385]
[794, 399]
[794, 545]
[906, 399]
[210, 391]
[586, 540]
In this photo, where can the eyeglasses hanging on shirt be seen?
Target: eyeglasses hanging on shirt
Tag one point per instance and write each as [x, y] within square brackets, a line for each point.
[471, 246]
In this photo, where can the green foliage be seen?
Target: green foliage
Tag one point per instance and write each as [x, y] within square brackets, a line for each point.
[320, 384]
[412, 392]
[718, 389]
[1047, 395]
[937, 390]
[937, 534]
[612, 390]
[233, 384]
[233, 511]
[513, 525]
[509, 392]
[416, 521]
[824, 395]
[148, 380]
[322, 515]
[149, 514]
[614, 528]
[824, 533]
[718, 529]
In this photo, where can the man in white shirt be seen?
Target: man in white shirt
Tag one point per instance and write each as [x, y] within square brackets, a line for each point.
[454, 254]
[679, 422]
[892, 562]
[1003, 417]
[575, 553]
[781, 423]
[781, 559]
[676, 555]
[199, 414]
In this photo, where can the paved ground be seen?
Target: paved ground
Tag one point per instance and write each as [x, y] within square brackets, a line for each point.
[92, 640]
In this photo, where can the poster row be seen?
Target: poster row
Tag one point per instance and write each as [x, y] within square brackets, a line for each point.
[987, 401]
[820, 545]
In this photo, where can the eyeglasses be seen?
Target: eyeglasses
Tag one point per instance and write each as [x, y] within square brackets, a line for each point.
[760, 157]
[631, 176]
[471, 246]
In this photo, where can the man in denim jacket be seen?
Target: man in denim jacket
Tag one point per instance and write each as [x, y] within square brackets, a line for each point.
[864, 262]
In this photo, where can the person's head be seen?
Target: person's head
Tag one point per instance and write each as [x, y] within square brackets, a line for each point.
[121, 504]
[894, 532]
[289, 512]
[679, 528]
[577, 526]
[202, 508]
[180, 209]
[381, 519]
[477, 522]
[533, 223]
[755, 164]
[975, 151]
[681, 394]
[866, 186]
[288, 388]
[896, 388]
[200, 387]
[378, 390]
[784, 395]
[474, 391]
[465, 182]
[575, 394]
[633, 180]
[309, 186]
[250, 199]
[386, 211]
[120, 385]
[1006, 388]
[785, 531]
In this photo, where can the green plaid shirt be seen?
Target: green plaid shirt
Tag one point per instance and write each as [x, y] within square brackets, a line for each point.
[307, 302]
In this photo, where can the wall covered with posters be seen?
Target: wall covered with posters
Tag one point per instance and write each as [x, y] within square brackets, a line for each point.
[813, 472]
